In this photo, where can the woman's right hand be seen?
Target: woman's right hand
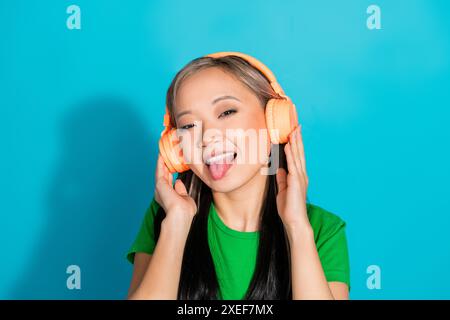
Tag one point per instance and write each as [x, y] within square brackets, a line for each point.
[174, 200]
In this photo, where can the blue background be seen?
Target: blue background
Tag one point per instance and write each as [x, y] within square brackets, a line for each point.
[81, 114]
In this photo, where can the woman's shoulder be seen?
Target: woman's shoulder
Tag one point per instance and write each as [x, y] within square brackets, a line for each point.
[324, 222]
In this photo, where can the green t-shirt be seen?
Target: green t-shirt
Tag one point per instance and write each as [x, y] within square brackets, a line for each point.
[234, 252]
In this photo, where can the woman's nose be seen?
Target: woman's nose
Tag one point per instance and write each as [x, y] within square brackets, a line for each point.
[210, 135]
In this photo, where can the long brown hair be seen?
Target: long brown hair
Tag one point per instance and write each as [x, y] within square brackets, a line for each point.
[272, 276]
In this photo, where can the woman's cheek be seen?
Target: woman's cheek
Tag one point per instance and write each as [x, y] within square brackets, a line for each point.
[254, 147]
[191, 154]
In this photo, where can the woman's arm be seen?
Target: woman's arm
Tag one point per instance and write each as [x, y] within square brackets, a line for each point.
[157, 276]
[308, 277]
[339, 290]
[140, 265]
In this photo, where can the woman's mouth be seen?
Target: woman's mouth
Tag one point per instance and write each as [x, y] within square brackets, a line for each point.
[219, 165]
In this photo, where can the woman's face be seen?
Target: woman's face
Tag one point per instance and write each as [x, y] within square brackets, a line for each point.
[222, 129]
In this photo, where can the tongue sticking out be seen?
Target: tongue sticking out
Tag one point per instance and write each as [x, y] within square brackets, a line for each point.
[220, 168]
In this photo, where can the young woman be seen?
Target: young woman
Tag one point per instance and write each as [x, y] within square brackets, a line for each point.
[225, 230]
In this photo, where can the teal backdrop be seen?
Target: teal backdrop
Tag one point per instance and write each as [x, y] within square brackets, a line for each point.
[82, 109]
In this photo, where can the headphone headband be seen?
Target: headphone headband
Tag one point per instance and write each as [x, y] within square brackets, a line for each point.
[254, 62]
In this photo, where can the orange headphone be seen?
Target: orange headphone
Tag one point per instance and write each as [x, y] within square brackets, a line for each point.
[281, 118]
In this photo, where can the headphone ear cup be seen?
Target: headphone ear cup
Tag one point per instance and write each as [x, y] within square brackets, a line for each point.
[281, 119]
[171, 152]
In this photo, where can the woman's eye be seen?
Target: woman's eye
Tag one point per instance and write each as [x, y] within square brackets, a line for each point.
[226, 113]
[186, 127]
[223, 114]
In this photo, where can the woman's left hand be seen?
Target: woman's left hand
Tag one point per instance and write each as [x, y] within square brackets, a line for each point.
[292, 186]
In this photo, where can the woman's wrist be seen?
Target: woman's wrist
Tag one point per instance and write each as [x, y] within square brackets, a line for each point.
[299, 232]
[174, 233]
[177, 222]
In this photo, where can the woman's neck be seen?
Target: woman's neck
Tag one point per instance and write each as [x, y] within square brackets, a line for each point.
[240, 208]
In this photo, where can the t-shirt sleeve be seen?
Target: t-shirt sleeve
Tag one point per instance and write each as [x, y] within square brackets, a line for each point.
[145, 239]
[331, 243]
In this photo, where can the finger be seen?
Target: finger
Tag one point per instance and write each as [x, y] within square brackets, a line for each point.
[163, 172]
[180, 188]
[159, 168]
[163, 187]
[290, 161]
[295, 153]
[167, 175]
[170, 178]
[281, 179]
[301, 149]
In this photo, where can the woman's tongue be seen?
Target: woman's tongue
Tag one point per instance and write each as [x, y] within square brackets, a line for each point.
[219, 168]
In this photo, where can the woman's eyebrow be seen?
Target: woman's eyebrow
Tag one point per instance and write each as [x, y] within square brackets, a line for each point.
[224, 98]
[182, 113]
